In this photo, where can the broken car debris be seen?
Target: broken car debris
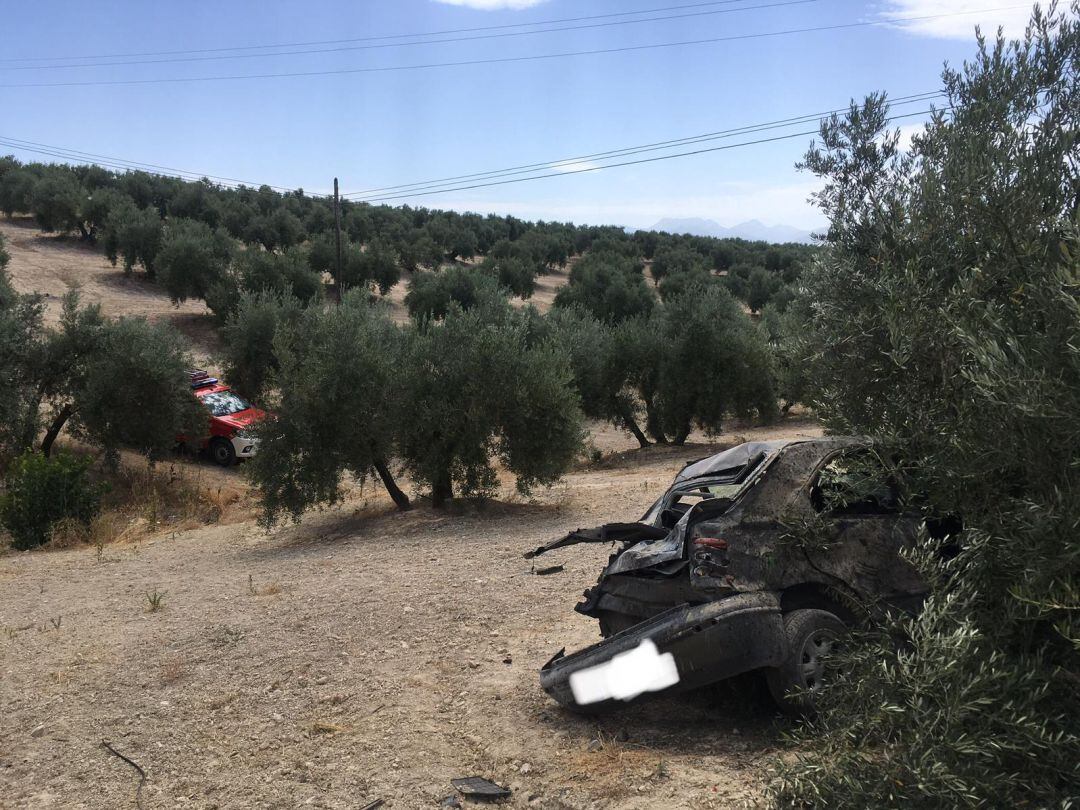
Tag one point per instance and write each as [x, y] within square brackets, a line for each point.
[478, 787]
[714, 575]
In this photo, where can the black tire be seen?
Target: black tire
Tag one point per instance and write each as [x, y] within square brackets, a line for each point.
[811, 636]
[222, 452]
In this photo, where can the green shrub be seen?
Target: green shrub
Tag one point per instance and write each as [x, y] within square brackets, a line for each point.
[41, 491]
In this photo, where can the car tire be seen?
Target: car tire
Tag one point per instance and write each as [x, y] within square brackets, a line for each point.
[222, 452]
[811, 635]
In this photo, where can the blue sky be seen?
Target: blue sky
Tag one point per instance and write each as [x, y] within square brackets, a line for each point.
[376, 129]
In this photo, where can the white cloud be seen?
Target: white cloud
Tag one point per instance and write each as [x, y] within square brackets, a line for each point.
[493, 5]
[1013, 18]
[907, 132]
[572, 166]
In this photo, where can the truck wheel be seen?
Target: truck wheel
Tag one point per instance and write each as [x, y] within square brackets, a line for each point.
[811, 637]
[222, 452]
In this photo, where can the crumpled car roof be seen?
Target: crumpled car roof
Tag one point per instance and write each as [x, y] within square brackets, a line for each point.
[732, 459]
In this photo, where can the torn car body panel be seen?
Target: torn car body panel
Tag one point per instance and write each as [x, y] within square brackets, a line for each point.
[709, 642]
[608, 533]
[733, 526]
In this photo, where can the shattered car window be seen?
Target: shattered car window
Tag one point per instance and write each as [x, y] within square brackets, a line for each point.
[224, 403]
[854, 484]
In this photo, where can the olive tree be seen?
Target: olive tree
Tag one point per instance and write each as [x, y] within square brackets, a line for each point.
[712, 363]
[337, 408]
[248, 339]
[192, 258]
[944, 321]
[431, 295]
[478, 390]
[134, 233]
[16, 189]
[608, 285]
[56, 202]
[600, 369]
[20, 344]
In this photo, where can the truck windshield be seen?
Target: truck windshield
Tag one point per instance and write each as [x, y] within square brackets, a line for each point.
[224, 403]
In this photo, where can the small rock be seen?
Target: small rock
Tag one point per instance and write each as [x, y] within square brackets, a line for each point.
[450, 801]
[594, 746]
[525, 768]
[38, 731]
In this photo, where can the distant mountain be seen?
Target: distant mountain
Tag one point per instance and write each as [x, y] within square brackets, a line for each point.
[752, 229]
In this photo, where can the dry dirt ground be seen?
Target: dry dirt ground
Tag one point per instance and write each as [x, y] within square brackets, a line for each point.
[363, 654]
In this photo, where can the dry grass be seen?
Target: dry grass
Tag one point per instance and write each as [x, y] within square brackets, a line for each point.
[143, 500]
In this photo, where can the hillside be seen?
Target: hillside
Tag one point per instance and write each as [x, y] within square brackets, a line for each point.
[363, 653]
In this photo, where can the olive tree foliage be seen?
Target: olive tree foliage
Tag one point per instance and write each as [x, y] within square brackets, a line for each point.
[944, 320]
[377, 265]
[609, 285]
[250, 362]
[337, 405]
[478, 389]
[192, 258]
[431, 295]
[672, 260]
[255, 270]
[516, 274]
[133, 233]
[20, 336]
[692, 362]
[600, 371]
[134, 391]
[56, 202]
[16, 188]
[113, 383]
[710, 362]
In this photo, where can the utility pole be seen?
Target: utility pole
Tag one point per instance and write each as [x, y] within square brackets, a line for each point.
[337, 236]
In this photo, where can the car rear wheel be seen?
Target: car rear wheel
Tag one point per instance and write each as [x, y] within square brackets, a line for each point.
[812, 636]
[222, 452]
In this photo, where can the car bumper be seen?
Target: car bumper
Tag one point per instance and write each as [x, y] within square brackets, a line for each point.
[245, 448]
[709, 642]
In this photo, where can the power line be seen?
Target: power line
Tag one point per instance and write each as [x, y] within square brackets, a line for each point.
[343, 48]
[127, 165]
[630, 150]
[628, 162]
[115, 162]
[374, 38]
[506, 59]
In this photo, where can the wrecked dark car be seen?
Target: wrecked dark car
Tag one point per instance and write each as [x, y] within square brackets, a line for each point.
[715, 573]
